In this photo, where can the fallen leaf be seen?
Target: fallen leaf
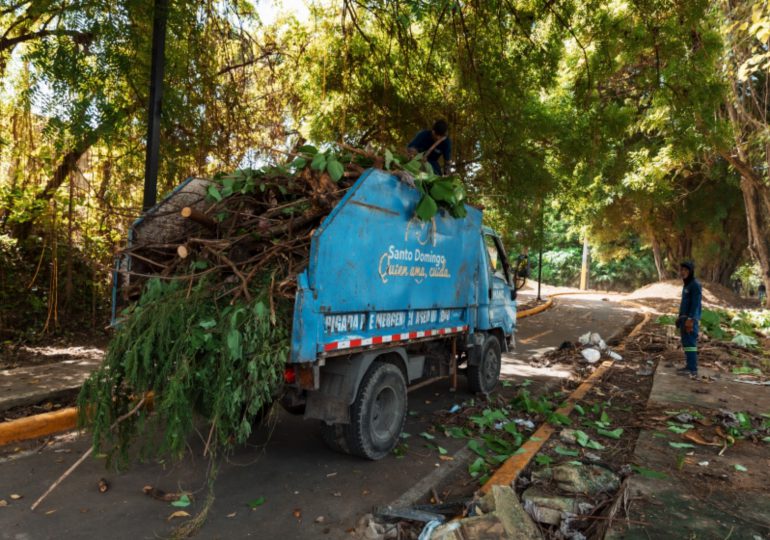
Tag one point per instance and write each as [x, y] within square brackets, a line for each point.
[255, 503]
[3, 502]
[695, 437]
[161, 495]
[16, 496]
[320, 519]
[331, 474]
[365, 492]
[337, 494]
[182, 502]
[446, 458]
[297, 513]
[740, 468]
[232, 515]
[50, 512]
[177, 514]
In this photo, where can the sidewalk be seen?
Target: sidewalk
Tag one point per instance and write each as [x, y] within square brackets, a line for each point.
[703, 495]
[33, 384]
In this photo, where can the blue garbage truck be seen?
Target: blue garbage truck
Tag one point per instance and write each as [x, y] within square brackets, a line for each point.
[389, 303]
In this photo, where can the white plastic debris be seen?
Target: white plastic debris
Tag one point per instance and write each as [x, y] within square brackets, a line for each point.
[596, 339]
[524, 422]
[614, 355]
[591, 355]
[703, 463]
[585, 339]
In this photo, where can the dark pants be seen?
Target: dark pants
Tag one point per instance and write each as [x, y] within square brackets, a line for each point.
[690, 346]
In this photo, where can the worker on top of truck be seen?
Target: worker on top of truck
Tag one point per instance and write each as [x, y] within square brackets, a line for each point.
[433, 144]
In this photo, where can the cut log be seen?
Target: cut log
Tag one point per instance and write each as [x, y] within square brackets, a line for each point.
[198, 217]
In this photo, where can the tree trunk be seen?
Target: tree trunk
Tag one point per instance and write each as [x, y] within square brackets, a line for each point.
[756, 198]
[660, 265]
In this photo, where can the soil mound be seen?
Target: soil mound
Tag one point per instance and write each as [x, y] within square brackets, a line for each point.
[714, 294]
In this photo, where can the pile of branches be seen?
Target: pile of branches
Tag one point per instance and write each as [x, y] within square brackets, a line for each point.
[209, 286]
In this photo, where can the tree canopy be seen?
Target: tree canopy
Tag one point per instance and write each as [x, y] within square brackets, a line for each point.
[639, 125]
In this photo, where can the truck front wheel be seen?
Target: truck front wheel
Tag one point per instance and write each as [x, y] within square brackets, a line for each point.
[483, 376]
[378, 414]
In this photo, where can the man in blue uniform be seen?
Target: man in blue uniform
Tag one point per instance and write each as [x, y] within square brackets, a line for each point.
[433, 144]
[689, 317]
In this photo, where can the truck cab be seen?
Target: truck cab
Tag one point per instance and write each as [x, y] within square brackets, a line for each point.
[389, 303]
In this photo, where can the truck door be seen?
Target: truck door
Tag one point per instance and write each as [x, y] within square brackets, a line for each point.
[501, 311]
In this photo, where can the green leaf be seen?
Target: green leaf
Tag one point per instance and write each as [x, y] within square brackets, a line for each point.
[182, 502]
[234, 344]
[443, 190]
[308, 149]
[677, 429]
[442, 450]
[605, 418]
[766, 439]
[427, 208]
[255, 503]
[335, 169]
[566, 452]
[474, 446]
[299, 163]
[579, 408]
[648, 473]
[680, 445]
[210, 323]
[740, 468]
[576, 463]
[594, 445]
[582, 437]
[214, 193]
[614, 434]
[426, 435]
[456, 432]
[477, 467]
[542, 459]
[318, 163]
[743, 340]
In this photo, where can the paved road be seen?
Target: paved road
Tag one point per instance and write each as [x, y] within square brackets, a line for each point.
[286, 463]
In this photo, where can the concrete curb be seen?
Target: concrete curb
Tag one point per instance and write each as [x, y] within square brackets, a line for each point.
[39, 425]
[433, 479]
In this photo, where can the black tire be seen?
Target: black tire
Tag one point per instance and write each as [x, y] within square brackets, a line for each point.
[482, 378]
[378, 414]
[333, 436]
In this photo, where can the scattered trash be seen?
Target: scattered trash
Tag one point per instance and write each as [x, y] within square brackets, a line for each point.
[232, 514]
[428, 530]
[320, 519]
[568, 436]
[499, 514]
[455, 408]
[703, 463]
[585, 479]
[331, 474]
[16, 496]
[585, 339]
[547, 508]
[593, 457]
[614, 355]
[645, 371]
[591, 355]
[684, 418]
[103, 486]
[370, 529]
[3, 503]
[529, 424]
[161, 495]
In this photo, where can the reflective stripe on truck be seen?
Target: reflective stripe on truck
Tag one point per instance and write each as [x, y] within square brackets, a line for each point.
[376, 340]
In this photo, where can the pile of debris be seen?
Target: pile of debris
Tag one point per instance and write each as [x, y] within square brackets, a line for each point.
[208, 283]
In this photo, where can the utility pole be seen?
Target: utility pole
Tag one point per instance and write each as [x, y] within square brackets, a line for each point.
[156, 94]
[540, 255]
[584, 267]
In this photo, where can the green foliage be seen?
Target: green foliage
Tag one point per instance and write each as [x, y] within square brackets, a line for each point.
[223, 362]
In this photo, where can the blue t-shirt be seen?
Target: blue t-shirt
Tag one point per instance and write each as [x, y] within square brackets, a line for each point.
[424, 140]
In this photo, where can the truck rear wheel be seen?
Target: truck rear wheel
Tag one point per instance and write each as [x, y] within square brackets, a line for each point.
[483, 377]
[378, 414]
